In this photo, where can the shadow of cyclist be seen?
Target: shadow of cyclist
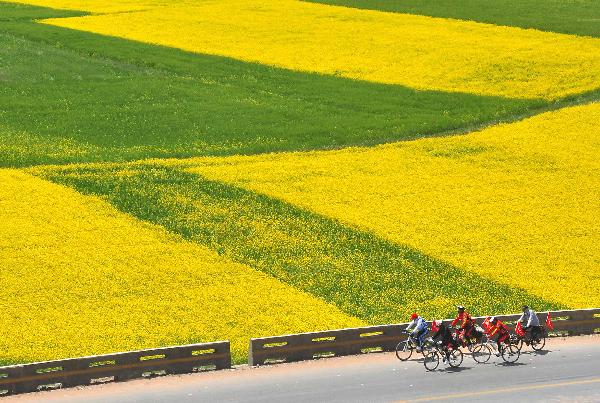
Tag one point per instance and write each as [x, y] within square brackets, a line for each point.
[457, 369]
[509, 364]
[533, 352]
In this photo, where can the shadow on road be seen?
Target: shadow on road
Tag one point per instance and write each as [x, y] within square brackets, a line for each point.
[457, 369]
[541, 352]
[509, 364]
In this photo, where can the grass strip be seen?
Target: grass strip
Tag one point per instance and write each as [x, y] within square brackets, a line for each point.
[364, 275]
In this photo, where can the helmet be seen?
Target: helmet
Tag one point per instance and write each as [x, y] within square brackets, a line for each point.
[460, 308]
[493, 319]
[525, 307]
[414, 316]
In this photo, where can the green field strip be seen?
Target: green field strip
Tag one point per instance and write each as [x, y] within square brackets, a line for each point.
[80, 278]
[82, 97]
[578, 17]
[12, 12]
[364, 275]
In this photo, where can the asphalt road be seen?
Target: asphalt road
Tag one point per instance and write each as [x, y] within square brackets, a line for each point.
[568, 370]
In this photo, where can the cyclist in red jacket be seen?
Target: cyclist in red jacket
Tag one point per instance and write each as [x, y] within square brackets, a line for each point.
[466, 323]
[497, 328]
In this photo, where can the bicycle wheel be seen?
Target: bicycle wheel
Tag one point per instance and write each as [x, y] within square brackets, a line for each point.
[431, 360]
[456, 358]
[481, 353]
[404, 350]
[510, 353]
[538, 343]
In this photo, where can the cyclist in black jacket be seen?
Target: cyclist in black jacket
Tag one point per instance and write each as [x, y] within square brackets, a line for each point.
[444, 338]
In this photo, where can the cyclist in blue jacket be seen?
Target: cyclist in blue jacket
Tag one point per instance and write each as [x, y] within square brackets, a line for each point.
[419, 328]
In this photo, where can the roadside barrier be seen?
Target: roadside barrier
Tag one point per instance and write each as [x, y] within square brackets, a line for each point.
[335, 343]
[308, 346]
[71, 372]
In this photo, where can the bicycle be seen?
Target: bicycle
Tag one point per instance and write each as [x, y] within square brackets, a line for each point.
[509, 350]
[537, 343]
[477, 344]
[405, 348]
[431, 358]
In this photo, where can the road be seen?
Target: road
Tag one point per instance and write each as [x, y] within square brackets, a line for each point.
[568, 370]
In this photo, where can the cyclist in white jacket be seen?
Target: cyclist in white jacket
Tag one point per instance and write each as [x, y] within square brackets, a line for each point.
[420, 328]
[531, 321]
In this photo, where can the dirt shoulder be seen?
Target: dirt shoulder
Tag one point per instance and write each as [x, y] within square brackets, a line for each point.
[561, 341]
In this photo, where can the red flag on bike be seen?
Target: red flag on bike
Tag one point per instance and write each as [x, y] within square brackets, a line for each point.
[519, 330]
[434, 326]
[486, 324]
[549, 322]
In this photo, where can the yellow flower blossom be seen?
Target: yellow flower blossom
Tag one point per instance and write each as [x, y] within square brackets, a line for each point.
[518, 203]
[78, 277]
[415, 51]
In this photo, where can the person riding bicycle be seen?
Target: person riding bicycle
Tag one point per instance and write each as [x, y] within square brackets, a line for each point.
[467, 324]
[419, 331]
[531, 321]
[444, 337]
[498, 328]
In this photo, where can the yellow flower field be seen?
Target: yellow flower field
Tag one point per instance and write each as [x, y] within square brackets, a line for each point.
[81, 278]
[110, 250]
[415, 51]
[95, 6]
[518, 203]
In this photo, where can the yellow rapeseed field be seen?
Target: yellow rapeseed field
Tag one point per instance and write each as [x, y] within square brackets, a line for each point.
[94, 6]
[415, 51]
[518, 203]
[78, 277]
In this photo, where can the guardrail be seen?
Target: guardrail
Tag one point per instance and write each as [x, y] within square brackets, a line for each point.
[308, 346]
[71, 372]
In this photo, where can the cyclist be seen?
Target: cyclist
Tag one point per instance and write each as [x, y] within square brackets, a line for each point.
[467, 324]
[420, 330]
[443, 336]
[498, 328]
[531, 321]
